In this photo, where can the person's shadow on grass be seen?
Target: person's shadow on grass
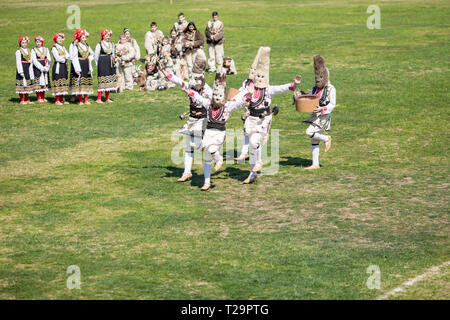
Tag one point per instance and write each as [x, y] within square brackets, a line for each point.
[294, 161]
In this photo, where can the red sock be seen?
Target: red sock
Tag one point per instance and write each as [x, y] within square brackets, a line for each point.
[21, 97]
[26, 97]
[43, 95]
[58, 98]
[99, 95]
[61, 99]
[85, 98]
[80, 99]
[107, 95]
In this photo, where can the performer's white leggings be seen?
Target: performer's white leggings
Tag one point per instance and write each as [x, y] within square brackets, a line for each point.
[316, 136]
[211, 152]
[192, 143]
[255, 143]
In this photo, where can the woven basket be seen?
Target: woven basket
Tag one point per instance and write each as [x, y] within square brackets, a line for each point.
[306, 103]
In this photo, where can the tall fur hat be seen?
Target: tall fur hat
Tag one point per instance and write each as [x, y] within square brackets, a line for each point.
[197, 77]
[251, 73]
[220, 85]
[321, 73]
[199, 62]
[263, 68]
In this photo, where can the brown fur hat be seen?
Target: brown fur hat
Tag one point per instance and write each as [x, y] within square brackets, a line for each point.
[321, 73]
[199, 63]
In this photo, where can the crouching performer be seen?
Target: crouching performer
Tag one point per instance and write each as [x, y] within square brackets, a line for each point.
[257, 124]
[218, 111]
[320, 119]
[196, 122]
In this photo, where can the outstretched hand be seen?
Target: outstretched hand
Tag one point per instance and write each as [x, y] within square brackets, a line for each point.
[183, 88]
[297, 79]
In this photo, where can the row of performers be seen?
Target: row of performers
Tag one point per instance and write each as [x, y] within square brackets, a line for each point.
[33, 68]
[210, 110]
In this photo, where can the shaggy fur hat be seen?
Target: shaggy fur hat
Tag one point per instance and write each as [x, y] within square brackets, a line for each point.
[197, 77]
[263, 68]
[220, 87]
[321, 73]
[251, 73]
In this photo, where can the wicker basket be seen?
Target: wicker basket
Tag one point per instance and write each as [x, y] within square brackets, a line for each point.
[232, 93]
[306, 103]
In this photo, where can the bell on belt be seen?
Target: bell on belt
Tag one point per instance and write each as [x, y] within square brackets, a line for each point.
[183, 116]
[275, 110]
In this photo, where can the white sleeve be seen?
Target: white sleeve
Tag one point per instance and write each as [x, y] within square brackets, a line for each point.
[243, 85]
[178, 81]
[238, 101]
[90, 58]
[281, 89]
[147, 42]
[194, 95]
[137, 49]
[74, 58]
[36, 63]
[207, 91]
[49, 58]
[97, 53]
[19, 62]
[330, 106]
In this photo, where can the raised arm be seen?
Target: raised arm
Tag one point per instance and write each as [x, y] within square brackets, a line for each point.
[285, 87]
[198, 98]
[240, 100]
[97, 53]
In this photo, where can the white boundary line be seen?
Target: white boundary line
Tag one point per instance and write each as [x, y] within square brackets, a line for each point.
[431, 271]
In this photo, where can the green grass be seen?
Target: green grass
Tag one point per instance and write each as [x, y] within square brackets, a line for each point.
[95, 186]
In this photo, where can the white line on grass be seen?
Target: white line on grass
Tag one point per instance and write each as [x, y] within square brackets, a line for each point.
[411, 282]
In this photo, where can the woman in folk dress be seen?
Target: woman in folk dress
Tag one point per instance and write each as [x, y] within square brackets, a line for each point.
[104, 58]
[24, 74]
[60, 75]
[81, 55]
[41, 65]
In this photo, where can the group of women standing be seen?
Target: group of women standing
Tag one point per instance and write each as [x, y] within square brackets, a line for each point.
[33, 68]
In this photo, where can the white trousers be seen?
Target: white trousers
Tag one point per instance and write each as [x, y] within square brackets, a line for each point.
[215, 56]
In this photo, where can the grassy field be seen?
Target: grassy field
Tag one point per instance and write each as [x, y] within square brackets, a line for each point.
[94, 186]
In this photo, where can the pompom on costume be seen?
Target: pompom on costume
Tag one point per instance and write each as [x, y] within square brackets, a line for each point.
[60, 75]
[24, 85]
[104, 59]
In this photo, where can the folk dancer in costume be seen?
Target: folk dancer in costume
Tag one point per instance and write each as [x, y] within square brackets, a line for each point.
[320, 119]
[153, 39]
[192, 44]
[41, 65]
[134, 44]
[257, 124]
[218, 111]
[60, 75]
[104, 59]
[251, 77]
[179, 27]
[72, 68]
[124, 56]
[196, 123]
[165, 62]
[81, 76]
[176, 53]
[24, 75]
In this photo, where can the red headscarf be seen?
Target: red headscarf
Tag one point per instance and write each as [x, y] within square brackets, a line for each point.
[58, 35]
[104, 33]
[82, 33]
[39, 38]
[23, 38]
[75, 35]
